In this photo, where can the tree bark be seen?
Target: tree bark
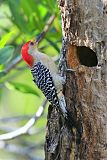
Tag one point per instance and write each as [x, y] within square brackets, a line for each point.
[84, 27]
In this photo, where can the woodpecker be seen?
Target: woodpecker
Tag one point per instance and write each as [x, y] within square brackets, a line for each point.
[46, 77]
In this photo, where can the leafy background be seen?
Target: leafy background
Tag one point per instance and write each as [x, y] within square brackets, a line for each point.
[21, 20]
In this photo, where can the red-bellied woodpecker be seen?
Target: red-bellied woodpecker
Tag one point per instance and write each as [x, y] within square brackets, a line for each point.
[46, 77]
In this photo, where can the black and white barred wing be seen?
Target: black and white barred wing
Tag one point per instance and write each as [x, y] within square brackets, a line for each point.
[43, 79]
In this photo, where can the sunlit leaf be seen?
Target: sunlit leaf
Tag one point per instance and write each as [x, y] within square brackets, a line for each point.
[24, 88]
[6, 54]
[1, 67]
[5, 38]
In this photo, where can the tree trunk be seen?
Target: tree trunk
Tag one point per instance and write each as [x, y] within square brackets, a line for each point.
[84, 27]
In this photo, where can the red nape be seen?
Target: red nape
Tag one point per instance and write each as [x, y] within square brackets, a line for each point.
[25, 55]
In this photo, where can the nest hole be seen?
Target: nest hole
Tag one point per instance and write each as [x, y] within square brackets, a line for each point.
[87, 56]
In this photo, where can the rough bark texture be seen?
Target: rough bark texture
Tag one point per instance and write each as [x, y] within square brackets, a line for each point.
[84, 23]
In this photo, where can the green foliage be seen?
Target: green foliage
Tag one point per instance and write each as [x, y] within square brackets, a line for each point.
[6, 54]
[20, 21]
[5, 38]
[54, 45]
[21, 87]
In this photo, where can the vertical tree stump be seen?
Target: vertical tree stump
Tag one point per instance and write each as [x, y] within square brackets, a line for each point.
[84, 27]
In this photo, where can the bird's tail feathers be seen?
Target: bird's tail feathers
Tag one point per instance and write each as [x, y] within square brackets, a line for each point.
[69, 119]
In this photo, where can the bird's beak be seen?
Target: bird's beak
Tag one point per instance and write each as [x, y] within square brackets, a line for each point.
[39, 37]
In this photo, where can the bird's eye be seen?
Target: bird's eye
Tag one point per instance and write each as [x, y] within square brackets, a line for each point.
[31, 43]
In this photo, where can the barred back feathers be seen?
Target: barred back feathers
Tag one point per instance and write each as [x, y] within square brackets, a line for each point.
[44, 81]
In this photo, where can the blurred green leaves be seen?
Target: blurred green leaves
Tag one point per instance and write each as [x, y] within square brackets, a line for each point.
[5, 38]
[54, 45]
[6, 54]
[21, 87]
[30, 16]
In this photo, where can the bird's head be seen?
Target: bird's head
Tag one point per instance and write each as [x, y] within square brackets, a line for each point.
[27, 52]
